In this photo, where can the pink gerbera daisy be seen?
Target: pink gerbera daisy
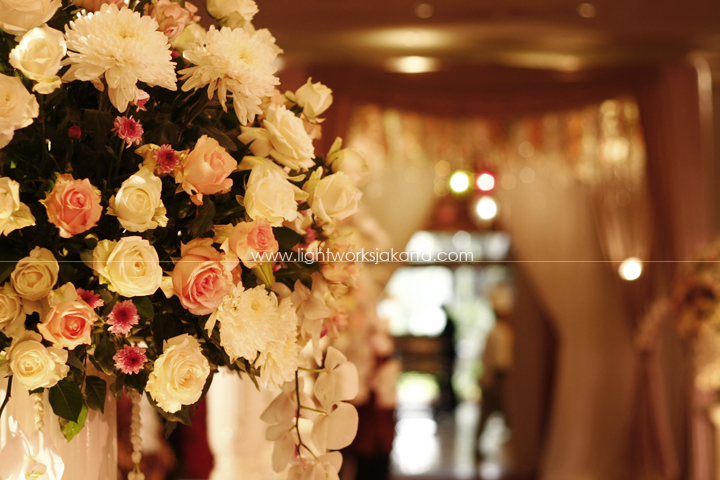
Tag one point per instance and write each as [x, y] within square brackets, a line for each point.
[130, 360]
[166, 159]
[91, 298]
[123, 317]
[128, 129]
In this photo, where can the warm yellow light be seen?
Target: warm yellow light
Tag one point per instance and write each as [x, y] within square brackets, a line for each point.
[630, 268]
[486, 208]
[413, 64]
[459, 182]
[485, 182]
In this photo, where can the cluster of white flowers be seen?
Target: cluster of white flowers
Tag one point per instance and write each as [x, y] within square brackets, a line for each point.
[308, 433]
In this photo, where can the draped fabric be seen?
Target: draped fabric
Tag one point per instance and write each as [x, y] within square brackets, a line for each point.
[590, 209]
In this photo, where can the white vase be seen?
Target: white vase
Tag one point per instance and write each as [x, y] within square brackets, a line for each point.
[235, 432]
[91, 455]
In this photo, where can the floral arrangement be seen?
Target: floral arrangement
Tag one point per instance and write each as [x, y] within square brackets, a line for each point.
[153, 234]
[695, 304]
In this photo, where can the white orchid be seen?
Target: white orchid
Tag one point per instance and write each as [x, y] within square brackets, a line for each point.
[29, 457]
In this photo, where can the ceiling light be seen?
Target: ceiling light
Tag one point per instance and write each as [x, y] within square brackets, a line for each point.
[486, 208]
[459, 182]
[424, 10]
[413, 64]
[586, 10]
[630, 268]
[485, 182]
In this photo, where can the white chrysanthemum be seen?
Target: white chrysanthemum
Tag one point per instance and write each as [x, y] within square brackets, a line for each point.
[234, 62]
[278, 365]
[122, 46]
[279, 361]
[251, 321]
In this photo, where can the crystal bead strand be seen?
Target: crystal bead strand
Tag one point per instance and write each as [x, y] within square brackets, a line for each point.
[39, 408]
[135, 438]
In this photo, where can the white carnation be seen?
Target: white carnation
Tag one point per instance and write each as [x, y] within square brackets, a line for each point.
[122, 46]
[234, 62]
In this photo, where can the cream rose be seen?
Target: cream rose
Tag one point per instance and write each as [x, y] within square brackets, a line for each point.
[179, 375]
[202, 277]
[205, 170]
[12, 315]
[334, 197]
[19, 16]
[232, 13]
[314, 98]
[287, 141]
[13, 213]
[269, 195]
[137, 204]
[38, 57]
[130, 266]
[33, 365]
[69, 320]
[349, 160]
[35, 275]
[18, 106]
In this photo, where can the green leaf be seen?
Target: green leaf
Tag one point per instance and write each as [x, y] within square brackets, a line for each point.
[70, 428]
[66, 400]
[95, 391]
[165, 327]
[7, 265]
[75, 362]
[182, 415]
[287, 238]
[117, 387]
[170, 428]
[145, 307]
[224, 141]
[204, 219]
[104, 353]
[137, 380]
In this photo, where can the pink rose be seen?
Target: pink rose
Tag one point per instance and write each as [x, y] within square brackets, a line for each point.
[69, 320]
[252, 242]
[94, 5]
[73, 205]
[202, 277]
[172, 18]
[205, 170]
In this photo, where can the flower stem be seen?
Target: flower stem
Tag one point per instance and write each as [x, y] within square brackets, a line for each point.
[8, 394]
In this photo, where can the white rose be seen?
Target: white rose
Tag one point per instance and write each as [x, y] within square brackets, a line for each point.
[232, 13]
[38, 57]
[18, 107]
[130, 266]
[13, 213]
[19, 16]
[12, 315]
[33, 365]
[289, 143]
[179, 375]
[349, 160]
[137, 204]
[35, 275]
[334, 197]
[314, 98]
[269, 195]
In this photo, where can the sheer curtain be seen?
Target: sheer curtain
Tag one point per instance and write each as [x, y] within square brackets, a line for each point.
[573, 186]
